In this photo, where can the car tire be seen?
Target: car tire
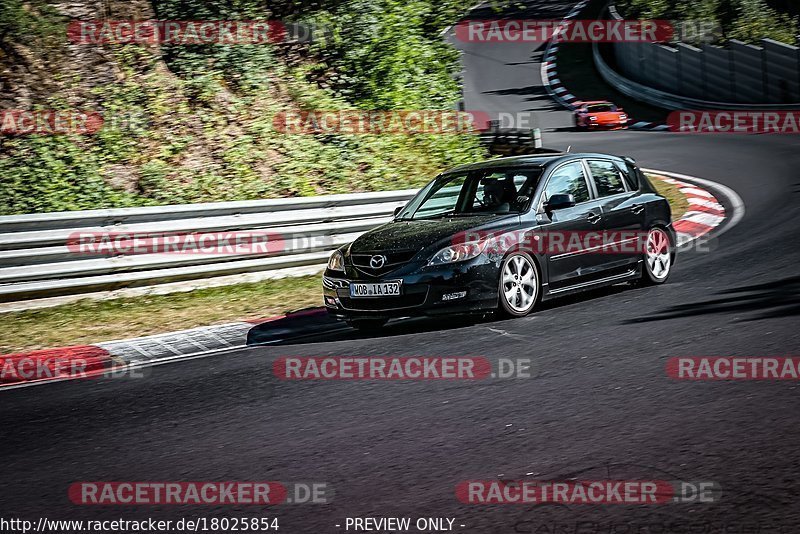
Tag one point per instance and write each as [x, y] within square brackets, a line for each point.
[519, 287]
[368, 325]
[658, 257]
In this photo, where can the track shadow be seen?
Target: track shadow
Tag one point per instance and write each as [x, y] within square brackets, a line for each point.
[314, 325]
[528, 90]
[779, 298]
[566, 129]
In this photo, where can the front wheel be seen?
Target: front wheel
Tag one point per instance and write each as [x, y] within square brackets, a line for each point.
[519, 284]
[658, 257]
[368, 325]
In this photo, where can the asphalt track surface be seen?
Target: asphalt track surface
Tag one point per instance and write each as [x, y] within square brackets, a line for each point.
[503, 77]
[599, 407]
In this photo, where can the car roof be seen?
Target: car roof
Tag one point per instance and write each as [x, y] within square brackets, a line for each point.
[528, 160]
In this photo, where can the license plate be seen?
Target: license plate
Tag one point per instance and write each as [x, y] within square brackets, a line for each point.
[382, 289]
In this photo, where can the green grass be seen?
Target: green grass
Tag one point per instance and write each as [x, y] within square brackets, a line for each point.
[93, 321]
[676, 199]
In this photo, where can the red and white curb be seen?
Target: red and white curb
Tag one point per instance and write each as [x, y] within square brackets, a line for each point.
[42, 366]
[561, 94]
[703, 215]
[706, 213]
[653, 126]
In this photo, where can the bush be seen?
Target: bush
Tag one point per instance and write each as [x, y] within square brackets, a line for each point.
[203, 114]
[745, 20]
[756, 20]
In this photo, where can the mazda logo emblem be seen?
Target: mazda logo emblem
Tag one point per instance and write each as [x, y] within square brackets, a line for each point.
[376, 262]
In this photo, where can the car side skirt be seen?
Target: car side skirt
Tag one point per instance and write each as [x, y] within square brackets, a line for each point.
[632, 273]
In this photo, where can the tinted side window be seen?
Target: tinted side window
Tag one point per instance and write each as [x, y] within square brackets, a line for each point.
[568, 180]
[629, 175]
[606, 177]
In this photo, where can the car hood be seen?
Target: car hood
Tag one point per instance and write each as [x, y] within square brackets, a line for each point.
[419, 234]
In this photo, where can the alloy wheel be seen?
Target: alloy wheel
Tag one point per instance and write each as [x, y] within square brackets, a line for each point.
[519, 283]
[658, 254]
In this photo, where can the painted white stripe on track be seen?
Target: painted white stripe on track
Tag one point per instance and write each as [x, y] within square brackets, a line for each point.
[696, 191]
[701, 217]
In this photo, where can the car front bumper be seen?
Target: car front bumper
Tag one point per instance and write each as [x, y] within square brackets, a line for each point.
[608, 124]
[464, 287]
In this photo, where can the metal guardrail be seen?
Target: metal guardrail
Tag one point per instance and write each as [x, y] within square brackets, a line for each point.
[510, 141]
[36, 261]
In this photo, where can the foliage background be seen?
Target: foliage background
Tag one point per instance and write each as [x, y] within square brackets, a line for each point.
[744, 20]
[194, 123]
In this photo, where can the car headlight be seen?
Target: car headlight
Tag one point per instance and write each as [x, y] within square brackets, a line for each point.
[456, 253]
[336, 262]
[623, 117]
[592, 118]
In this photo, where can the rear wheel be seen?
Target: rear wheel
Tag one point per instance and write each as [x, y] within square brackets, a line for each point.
[658, 257]
[519, 284]
[368, 325]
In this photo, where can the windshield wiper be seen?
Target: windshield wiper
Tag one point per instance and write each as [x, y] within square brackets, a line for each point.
[470, 214]
[432, 217]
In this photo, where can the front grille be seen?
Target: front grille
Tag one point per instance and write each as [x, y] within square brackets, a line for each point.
[394, 260]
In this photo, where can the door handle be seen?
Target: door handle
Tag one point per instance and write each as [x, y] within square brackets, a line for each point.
[593, 218]
[636, 209]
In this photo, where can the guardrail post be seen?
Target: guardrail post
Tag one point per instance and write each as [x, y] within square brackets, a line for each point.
[537, 138]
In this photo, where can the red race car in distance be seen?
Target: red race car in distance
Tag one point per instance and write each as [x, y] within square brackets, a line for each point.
[600, 114]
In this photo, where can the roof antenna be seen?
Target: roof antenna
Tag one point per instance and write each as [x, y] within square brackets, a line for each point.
[569, 147]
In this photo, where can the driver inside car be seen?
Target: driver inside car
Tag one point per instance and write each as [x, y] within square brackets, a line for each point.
[497, 195]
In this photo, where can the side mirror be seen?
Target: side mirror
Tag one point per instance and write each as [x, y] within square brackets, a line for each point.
[559, 202]
[397, 210]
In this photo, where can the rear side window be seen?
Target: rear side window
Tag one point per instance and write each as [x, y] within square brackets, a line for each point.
[629, 175]
[607, 178]
[568, 180]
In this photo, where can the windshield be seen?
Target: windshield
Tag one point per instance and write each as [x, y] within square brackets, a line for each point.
[601, 108]
[482, 192]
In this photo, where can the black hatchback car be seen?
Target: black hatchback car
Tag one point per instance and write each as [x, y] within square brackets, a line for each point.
[505, 234]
